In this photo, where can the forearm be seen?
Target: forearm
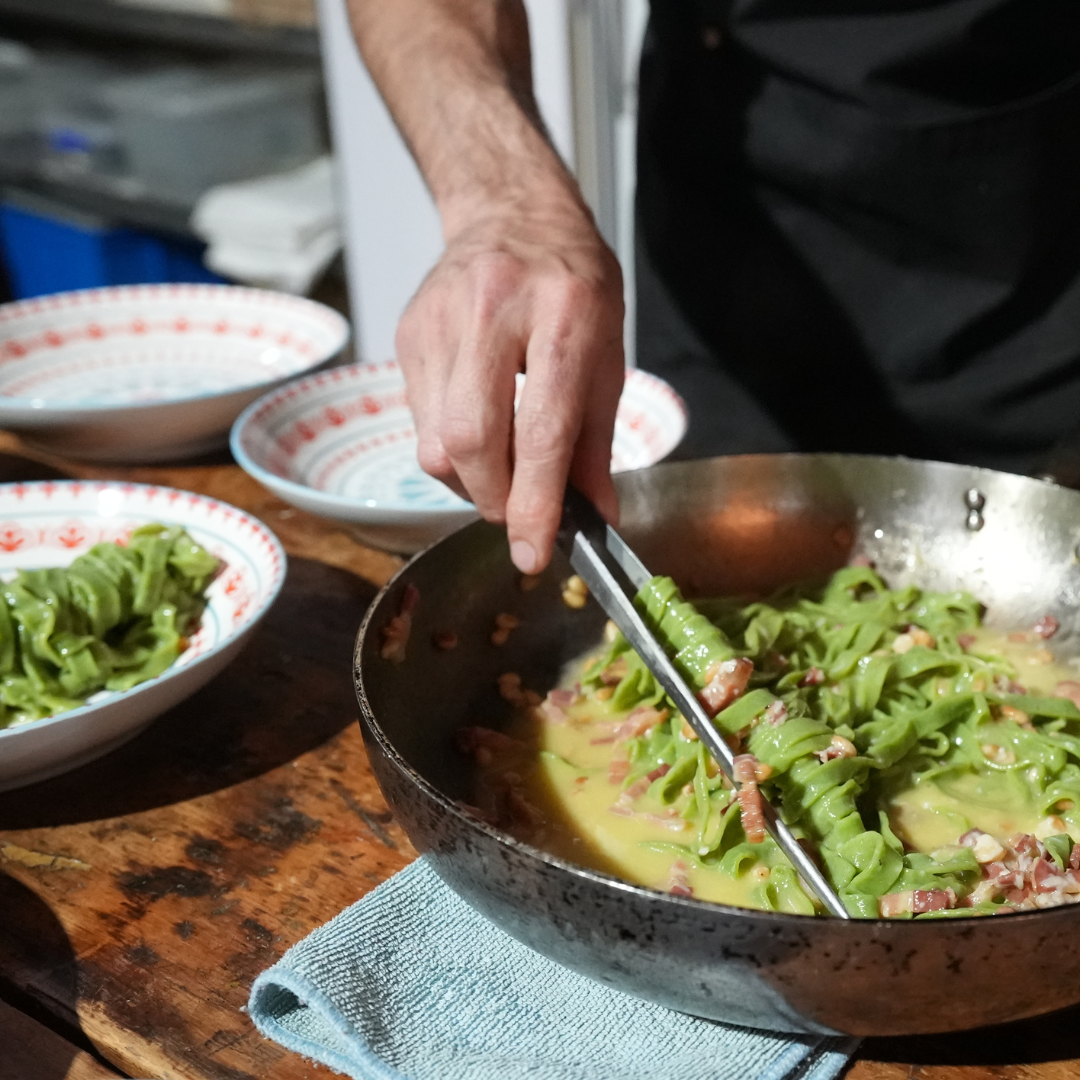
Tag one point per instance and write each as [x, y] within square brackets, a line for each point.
[456, 76]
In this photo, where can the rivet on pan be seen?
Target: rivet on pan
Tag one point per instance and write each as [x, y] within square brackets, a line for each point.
[974, 521]
[974, 499]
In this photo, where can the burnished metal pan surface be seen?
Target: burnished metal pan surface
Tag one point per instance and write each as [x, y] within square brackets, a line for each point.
[740, 525]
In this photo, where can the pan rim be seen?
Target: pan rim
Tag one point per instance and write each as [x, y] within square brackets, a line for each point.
[597, 877]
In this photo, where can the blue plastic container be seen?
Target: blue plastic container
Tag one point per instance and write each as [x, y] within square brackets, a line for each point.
[51, 249]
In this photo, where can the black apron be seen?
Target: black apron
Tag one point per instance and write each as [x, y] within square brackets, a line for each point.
[867, 215]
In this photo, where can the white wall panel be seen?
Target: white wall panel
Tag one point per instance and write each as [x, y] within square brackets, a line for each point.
[392, 229]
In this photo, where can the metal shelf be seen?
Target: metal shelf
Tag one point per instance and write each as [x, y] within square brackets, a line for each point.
[164, 27]
[120, 199]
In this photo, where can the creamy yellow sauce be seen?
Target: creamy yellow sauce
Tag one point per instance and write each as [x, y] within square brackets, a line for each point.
[562, 768]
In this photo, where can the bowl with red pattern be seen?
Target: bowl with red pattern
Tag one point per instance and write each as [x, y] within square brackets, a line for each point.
[152, 372]
[50, 523]
[341, 443]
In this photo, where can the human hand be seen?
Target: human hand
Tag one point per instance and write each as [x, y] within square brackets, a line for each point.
[534, 290]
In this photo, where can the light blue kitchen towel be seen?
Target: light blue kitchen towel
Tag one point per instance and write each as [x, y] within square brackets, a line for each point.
[411, 984]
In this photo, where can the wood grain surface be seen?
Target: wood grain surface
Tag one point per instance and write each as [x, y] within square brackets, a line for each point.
[30, 1051]
[188, 860]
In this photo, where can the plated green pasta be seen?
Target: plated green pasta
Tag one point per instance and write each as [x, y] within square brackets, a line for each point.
[118, 615]
[932, 765]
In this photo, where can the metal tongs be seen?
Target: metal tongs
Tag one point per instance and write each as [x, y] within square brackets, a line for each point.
[614, 574]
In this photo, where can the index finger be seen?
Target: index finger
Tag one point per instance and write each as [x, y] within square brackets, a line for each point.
[563, 383]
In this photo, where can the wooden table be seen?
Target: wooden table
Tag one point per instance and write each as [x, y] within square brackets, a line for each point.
[140, 895]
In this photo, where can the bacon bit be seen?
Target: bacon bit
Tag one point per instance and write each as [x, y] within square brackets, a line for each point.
[617, 770]
[483, 742]
[999, 755]
[1017, 716]
[862, 560]
[814, 677]
[396, 632]
[615, 672]
[504, 623]
[896, 903]
[643, 719]
[510, 687]
[751, 809]
[775, 714]
[965, 641]
[925, 900]
[563, 698]
[679, 881]
[528, 582]
[734, 742]
[1074, 857]
[1069, 690]
[1027, 844]
[838, 748]
[970, 838]
[661, 770]
[637, 788]
[532, 699]
[744, 768]
[553, 713]
[1046, 627]
[605, 741]
[581, 781]
[725, 682]
[445, 640]
[621, 809]
[667, 821]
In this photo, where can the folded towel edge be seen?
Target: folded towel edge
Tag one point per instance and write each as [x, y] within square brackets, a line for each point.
[277, 979]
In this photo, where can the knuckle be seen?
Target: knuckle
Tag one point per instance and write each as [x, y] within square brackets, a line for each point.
[544, 439]
[467, 436]
[434, 460]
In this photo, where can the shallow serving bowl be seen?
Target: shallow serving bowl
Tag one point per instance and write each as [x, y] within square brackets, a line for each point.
[152, 372]
[341, 443]
[50, 523]
[738, 526]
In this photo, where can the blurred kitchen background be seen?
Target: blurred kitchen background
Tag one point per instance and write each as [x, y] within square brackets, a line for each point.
[241, 140]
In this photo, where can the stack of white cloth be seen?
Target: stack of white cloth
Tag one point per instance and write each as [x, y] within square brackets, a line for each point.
[278, 232]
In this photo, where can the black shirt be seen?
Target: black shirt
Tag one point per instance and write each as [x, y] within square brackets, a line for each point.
[870, 214]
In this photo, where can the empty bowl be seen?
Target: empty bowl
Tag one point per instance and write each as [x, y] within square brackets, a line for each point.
[341, 444]
[152, 372]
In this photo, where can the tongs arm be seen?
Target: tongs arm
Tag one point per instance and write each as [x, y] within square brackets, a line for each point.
[613, 574]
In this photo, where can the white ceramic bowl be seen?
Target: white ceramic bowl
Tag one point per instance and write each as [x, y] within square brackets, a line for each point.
[152, 372]
[50, 523]
[341, 443]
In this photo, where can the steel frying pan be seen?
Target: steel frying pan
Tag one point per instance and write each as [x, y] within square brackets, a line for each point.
[741, 525]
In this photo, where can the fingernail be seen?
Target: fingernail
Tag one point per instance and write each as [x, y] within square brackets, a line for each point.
[521, 551]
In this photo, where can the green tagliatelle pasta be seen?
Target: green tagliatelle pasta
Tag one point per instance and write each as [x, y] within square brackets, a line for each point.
[918, 709]
[117, 616]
